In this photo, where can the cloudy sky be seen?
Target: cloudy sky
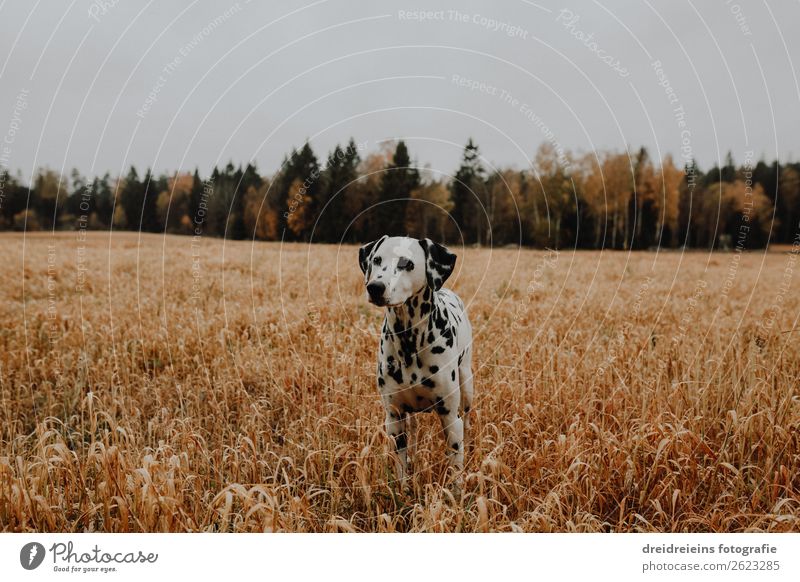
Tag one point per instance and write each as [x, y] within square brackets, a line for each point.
[173, 85]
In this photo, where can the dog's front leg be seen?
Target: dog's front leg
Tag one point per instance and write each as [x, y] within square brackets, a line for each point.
[453, 428]
[396, 429]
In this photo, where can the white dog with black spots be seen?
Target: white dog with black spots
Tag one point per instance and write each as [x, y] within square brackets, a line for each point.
[425, 356]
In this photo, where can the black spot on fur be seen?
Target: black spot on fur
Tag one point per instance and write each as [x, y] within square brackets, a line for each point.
[413, 377]
[434, 369]
[381, 382]
[439, 263]
[408, 341]
[437, 350]
[453, 375]
[407, 409]
[428, 383]
[455, 446]
[366, 252]
[431, 338]
[440, 407]
[467, 409]
[394, 372]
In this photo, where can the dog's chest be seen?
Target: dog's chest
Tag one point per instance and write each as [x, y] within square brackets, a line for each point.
[414, 348]
[408, 368]
[412, 386]
[419, 354]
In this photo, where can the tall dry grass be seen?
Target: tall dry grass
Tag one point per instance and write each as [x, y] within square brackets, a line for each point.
[614, 392]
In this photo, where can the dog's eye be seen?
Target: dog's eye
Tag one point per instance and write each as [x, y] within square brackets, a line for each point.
[405, 264]
[377, 261]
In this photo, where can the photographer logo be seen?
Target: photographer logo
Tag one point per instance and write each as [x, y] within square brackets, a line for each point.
[31, 555]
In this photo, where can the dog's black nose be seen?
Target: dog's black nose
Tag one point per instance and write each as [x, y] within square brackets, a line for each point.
[375, 290]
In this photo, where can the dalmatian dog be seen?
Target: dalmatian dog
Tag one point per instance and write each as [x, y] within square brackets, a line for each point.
[425, 357]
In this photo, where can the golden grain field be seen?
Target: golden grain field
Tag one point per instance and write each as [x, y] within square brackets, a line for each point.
[152, 383]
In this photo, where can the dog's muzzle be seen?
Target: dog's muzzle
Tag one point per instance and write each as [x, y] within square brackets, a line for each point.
[375, 290]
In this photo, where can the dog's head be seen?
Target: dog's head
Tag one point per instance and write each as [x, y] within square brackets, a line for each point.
[397, 268]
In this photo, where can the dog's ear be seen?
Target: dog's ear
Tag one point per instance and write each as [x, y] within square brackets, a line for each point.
[439, 263]
[365, 252]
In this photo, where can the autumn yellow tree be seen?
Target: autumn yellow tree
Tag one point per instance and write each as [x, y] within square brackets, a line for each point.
[789, 202]
[428, 214]
[260, 217]
[557, 191]
[49, 195]
[300, 217]
[173, 204]
[361, 198]
[668, 183]
[505, 202]
[589, 178]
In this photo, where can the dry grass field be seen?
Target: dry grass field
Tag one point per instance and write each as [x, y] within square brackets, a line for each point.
[163, 384]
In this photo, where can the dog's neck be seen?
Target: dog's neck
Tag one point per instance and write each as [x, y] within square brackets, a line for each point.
[407, 324]
[413, 313]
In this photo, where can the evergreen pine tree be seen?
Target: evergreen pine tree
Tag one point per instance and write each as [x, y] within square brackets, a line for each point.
[339, 176]
[151, 187]
[195, 198]
[300, 174]
[131, 198]
[398, 182]
[466, 193]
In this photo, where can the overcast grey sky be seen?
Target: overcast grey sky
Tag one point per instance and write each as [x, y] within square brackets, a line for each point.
[173, 85]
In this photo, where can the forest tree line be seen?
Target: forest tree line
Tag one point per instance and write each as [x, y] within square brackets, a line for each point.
[617, 200]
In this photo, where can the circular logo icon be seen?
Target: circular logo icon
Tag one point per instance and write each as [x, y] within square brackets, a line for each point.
[31, 555]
